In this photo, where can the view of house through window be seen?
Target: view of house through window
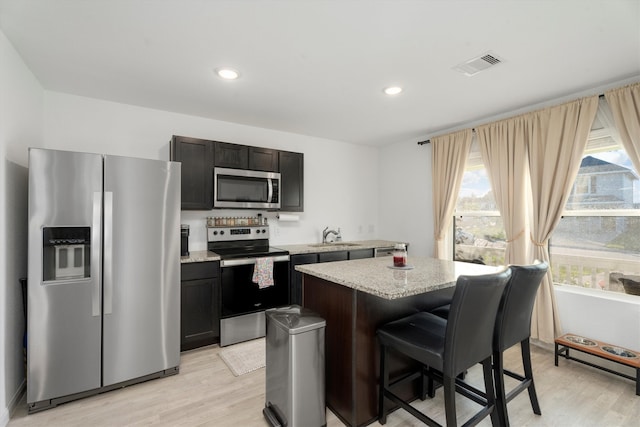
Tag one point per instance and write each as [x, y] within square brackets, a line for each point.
[597, 242]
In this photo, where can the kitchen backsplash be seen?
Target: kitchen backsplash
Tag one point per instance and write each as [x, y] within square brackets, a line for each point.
[302, 231]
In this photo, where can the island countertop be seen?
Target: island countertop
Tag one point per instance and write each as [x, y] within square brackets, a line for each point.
[376, 276]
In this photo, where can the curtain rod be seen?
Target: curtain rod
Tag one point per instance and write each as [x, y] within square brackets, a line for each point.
[428, 141]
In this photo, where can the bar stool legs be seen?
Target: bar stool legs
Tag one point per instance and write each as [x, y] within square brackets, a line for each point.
[525, 382]
[451, 385]
[383, 385]
[528, 373]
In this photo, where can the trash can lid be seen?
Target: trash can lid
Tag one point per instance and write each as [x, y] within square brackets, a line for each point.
[295, 319]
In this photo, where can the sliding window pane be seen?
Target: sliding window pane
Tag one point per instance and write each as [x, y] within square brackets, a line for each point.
[478, 228]
[595, 251]
[479, 239]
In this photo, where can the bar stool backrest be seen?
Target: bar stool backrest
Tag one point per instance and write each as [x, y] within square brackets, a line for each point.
[513, 322]
[469, 333]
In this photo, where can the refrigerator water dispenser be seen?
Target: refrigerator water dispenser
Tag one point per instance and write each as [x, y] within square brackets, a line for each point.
[65, 253]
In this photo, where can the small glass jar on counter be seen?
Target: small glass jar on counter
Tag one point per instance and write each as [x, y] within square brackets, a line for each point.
[400, 255]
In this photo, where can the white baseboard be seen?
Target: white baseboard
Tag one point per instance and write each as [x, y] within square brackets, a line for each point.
[5, 413]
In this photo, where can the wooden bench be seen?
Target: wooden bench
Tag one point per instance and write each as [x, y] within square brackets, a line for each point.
[600, 349]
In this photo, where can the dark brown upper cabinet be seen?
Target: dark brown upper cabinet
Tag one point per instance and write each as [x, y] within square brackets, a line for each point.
[292, 185]
[196, 156]
[234, 156]
[199, 156]
[263, 159]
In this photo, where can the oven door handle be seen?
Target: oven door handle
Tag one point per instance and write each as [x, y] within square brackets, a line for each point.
[249, 261]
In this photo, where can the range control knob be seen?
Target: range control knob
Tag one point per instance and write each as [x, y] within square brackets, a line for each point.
[264, 231]
[215, 233]
[258, 231]
[221, 232]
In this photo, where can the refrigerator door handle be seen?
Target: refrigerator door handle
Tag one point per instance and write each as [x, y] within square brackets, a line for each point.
[95, 253]
[108, 252]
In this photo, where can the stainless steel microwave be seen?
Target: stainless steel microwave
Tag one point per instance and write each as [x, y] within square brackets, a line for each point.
[245, 189]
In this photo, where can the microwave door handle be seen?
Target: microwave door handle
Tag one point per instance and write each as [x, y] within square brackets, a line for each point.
[270, 195]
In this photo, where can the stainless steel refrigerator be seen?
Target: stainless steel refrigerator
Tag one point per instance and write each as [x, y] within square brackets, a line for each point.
[103, 274]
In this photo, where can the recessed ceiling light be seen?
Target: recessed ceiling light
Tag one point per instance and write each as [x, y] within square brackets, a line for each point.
[227, 73]
[392, 90]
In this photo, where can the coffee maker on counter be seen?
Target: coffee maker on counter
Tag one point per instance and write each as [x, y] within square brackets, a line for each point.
[184, 240]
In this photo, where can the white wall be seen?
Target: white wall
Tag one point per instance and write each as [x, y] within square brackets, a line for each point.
[340, 179]
[605, 316]
[21, 110]
[405, 196]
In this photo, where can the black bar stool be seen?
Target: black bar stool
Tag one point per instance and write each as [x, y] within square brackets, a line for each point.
[447, 347]
[513, 326]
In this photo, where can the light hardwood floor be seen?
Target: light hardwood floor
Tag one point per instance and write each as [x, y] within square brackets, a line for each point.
[205, 393]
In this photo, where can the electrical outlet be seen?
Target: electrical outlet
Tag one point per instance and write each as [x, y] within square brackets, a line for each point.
[360, 229]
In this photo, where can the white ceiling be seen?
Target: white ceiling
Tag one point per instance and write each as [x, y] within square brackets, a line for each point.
[318, 67]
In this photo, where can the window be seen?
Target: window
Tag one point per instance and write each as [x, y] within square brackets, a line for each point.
[584, 185]
[478, 229]
[596, 241]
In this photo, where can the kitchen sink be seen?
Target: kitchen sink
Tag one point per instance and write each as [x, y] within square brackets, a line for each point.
[325, 245]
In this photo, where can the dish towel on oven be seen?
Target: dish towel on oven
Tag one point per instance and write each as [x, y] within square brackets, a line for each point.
[263, 272]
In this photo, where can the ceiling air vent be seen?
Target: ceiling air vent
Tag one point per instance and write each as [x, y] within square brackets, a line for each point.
[475, 65]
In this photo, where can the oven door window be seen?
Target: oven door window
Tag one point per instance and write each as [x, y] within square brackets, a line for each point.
[241, 296]
[242, 189]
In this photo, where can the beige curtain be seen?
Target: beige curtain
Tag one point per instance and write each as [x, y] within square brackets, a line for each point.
[558, 136]
[503, 146]
[448, 156]
[625, 105]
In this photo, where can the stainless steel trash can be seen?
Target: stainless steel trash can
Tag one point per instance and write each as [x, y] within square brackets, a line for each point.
[295, 385]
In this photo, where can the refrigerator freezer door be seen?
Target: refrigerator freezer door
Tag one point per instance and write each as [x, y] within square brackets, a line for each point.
[64, 315]
[141, 268]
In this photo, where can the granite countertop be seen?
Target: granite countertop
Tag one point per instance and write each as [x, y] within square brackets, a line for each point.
[341, 246]
[373, 275]
[203, 256]
[199, 256]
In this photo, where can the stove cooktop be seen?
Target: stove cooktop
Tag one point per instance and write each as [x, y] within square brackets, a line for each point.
[241, 242]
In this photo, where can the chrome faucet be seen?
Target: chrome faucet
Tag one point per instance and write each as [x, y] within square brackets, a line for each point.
[326, 232]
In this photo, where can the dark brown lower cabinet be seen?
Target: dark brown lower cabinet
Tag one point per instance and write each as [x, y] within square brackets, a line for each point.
[361, 254]
[200, 304]
[312, 258]
[296, 276]
[333, 256]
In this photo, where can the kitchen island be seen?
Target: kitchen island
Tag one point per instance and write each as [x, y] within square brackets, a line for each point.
[355, 298]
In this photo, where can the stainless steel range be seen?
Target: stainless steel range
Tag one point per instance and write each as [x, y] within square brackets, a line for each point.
[243, 301]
